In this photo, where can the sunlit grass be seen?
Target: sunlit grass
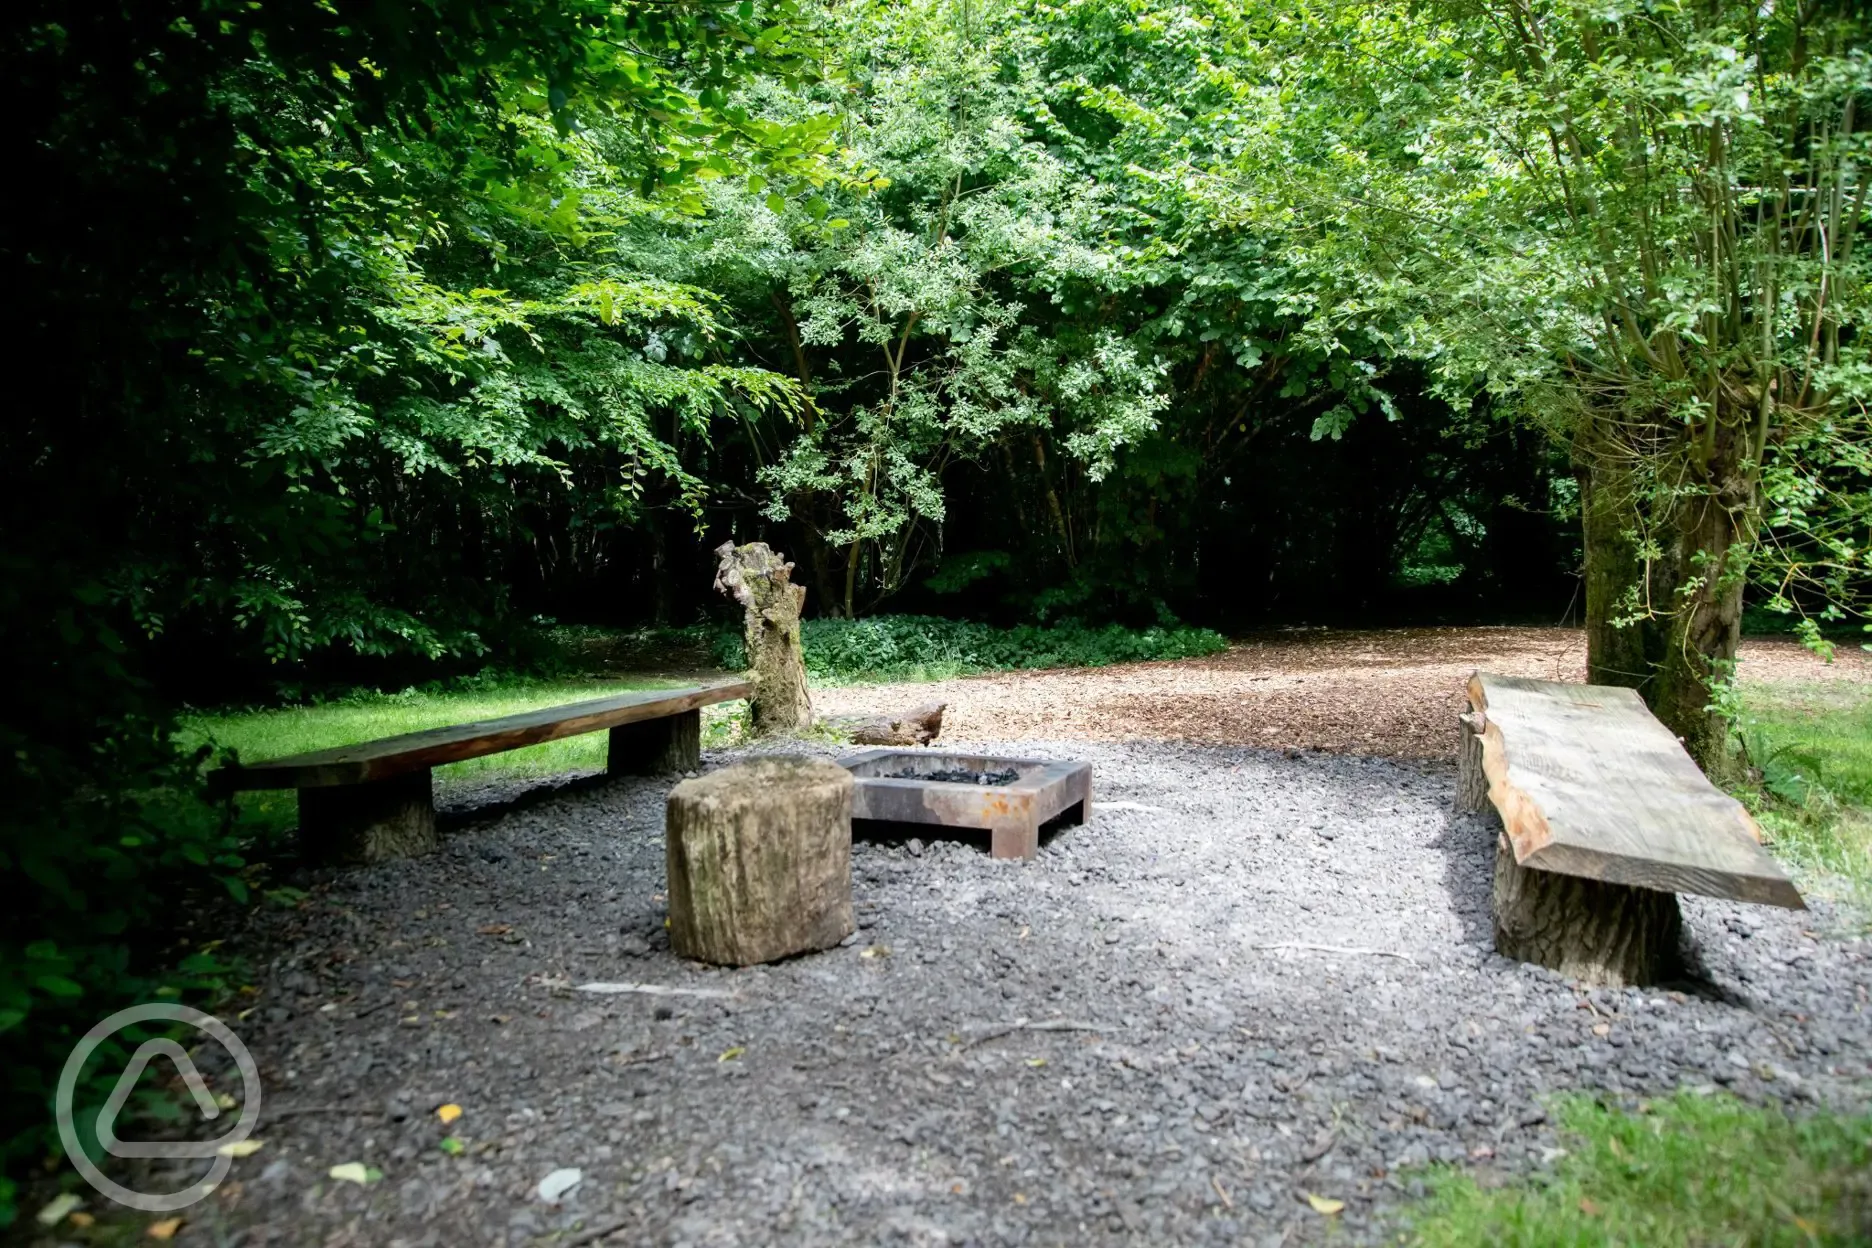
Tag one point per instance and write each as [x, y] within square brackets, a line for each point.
[1812, 742]
[1689, 1170]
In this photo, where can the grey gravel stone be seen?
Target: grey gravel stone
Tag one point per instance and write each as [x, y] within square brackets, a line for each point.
[901, 1090]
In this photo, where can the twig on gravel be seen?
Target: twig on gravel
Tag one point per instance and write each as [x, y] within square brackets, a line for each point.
[1154, 810]
[1045, 1024]
[1221, 1191]
[641, 1059]
[297, 1110]
[597, 1233]
[655, 990]
[1312, 948]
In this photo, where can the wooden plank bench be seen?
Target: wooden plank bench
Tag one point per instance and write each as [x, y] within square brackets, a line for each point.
[1605, 817]
[375, 800]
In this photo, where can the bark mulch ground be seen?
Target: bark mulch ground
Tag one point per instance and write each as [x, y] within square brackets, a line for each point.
[1391, 694]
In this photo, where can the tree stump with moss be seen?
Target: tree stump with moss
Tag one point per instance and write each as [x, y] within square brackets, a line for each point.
[760, 580]
[759, 861]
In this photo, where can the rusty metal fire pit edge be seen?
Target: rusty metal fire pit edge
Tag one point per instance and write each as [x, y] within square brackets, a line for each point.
[1011, 813]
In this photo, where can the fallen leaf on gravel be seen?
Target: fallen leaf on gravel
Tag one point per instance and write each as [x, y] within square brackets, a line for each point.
[1020, 1198]
[1036, 1061]
[875, 951]
[494, 929]
[1602, 1029]
[448, 1113]
[557, 1184]
[452, 1145]
[164, 1230]
[355, 1172]
[225, 1101]
[241, 1148]
[58, 1207]
[1325, 1206]
[729, 1055]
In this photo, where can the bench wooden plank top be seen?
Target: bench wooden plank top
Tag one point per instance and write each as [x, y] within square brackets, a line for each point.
[414, 751]
[1589, 783]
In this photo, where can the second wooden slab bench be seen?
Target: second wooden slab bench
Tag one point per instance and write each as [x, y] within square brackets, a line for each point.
[375, 800]
[1605, 817]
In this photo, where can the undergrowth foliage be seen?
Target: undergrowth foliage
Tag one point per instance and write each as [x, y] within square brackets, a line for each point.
[890, 647]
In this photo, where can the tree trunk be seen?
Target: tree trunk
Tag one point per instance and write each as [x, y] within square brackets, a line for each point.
[759, 861]
[1687, 597]
[761, 581]
[1588, 930]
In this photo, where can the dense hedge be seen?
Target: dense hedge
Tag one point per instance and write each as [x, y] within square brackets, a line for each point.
[894, 647]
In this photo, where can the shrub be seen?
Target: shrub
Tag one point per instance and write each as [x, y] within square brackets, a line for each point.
[896, 647]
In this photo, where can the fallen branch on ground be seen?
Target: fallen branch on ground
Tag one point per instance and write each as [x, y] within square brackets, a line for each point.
[654, 990]
[1350, 949]
[640, 1059]
[298, 1110]
[596, 1233]
[1045, 1024]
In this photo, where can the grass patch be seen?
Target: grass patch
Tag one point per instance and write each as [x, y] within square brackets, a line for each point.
[1810, 747]
[1689, 1170]
[260, 734]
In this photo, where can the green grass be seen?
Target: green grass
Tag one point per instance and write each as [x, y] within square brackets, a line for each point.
[1812, 747]
[1688, 1170]
[259, 734]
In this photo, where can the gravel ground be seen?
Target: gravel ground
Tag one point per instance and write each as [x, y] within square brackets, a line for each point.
[1208, 1065]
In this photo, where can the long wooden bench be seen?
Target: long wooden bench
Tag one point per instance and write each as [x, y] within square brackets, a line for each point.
[1604, 818]
[375, 800]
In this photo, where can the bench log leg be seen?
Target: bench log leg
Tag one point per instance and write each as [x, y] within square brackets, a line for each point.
[1471, 780]
[1014, 840]
[1588, 930]
[359, 823]
[656, 747]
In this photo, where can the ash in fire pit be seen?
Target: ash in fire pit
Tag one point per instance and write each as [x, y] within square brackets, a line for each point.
[957, 776]
[1008, 797]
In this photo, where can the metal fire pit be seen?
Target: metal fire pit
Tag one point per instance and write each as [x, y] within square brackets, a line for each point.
[1011, 812]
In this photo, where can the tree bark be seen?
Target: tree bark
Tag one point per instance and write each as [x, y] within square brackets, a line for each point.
[1686, 597]
[656, 747]
[355, 824]
[759, 860]
[1588, 930]
[760, 580]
